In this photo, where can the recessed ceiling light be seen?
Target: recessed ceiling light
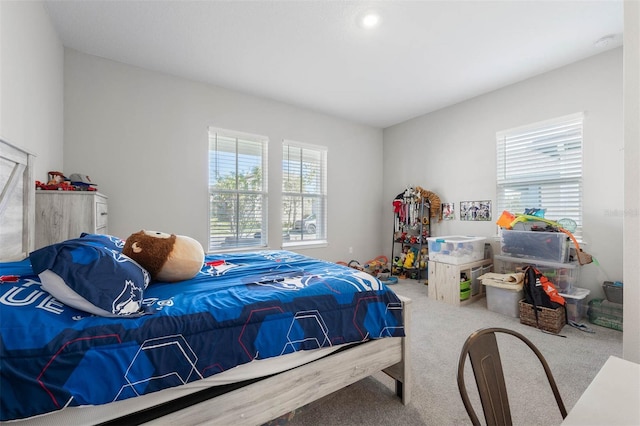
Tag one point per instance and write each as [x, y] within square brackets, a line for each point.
[370, 20]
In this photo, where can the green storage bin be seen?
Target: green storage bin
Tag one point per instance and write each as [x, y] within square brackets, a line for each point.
[465, 289]
[605, 313]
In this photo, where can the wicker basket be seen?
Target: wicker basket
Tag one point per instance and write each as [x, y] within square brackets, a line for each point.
[551, 320]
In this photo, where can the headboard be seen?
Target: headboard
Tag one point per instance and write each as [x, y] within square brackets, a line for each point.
[17, 202]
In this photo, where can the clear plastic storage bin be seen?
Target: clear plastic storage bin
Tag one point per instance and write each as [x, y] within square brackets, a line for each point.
[576, 303]
[563, 275]
[546, 246]
[504, 300]
[456, 250]
[475, 282]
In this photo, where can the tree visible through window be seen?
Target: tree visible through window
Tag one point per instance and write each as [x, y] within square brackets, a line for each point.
[304, 193]
[237, 194]
[540, 166]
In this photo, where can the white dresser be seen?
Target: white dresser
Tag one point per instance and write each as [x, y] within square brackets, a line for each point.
[62, 215]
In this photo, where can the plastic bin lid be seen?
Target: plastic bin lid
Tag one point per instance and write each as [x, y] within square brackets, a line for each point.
[456, 238]
[536, 262]
[576, 293]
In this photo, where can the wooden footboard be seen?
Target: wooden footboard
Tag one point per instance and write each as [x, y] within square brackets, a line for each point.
[401, 371]
[272, 397]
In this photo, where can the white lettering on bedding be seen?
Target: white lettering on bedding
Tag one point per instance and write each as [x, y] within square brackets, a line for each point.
[17, 297]
[52, 305]
[23, 296]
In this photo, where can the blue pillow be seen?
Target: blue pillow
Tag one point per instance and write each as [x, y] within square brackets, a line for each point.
[108, 241]
[85, 274]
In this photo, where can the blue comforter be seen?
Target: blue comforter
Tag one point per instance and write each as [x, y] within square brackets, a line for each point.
[240, 307]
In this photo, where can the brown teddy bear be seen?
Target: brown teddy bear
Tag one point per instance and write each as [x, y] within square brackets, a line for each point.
[167, 257]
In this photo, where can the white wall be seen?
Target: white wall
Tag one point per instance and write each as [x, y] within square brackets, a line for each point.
[456, 147]
[631, 342]
[142, 136]
[31, 84]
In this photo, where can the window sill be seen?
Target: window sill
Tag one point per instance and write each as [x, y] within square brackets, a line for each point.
[301, 245]
[237, 249]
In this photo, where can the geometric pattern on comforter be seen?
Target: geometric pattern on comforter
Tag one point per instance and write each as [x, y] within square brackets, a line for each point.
[240, 307]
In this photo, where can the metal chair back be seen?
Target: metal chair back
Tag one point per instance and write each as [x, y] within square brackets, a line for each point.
[481, 347]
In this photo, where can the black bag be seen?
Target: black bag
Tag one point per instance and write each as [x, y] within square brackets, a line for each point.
[539, 291]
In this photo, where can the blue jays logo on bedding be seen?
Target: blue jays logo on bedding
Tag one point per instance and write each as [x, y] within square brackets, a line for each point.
[363, 281]
[128, 302]
[288, 281]
[279, 256]
[218, 267]
[297, 280]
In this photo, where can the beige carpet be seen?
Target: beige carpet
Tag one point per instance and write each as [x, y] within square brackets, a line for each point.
[438, 332]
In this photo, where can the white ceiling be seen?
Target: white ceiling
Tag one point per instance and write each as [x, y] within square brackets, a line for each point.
[424, 55]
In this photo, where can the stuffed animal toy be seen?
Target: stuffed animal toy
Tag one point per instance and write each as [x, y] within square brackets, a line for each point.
[424, 257]
[408, 262]
[167, 257]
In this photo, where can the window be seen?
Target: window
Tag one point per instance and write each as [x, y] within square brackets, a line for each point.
[540, 166]
[237, 190]
[304, 193]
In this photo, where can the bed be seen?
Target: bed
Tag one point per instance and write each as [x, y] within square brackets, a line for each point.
[252, 337]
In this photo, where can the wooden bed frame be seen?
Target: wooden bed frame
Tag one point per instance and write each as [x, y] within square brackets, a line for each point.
[17, 202]
[252, 403]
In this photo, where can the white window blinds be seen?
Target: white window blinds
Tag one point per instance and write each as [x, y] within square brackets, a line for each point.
[304, 193]
[237, 190]
[540, 166]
